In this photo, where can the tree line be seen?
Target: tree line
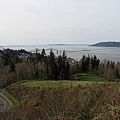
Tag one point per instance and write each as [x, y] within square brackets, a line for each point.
[17, 65]
[22, 65]
[106, 68]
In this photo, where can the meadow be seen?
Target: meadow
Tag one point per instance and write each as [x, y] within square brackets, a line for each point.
[83, 102]
[83, 79]
[88, 98]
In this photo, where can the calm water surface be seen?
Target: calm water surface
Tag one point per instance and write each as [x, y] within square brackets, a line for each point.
[76, 51]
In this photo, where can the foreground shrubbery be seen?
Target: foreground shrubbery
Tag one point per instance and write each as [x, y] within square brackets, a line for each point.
[91, 102]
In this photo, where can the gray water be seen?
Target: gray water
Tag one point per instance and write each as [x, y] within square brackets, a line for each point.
[76, 51]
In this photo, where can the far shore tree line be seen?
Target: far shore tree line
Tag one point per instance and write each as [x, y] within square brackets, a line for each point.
[18, 65]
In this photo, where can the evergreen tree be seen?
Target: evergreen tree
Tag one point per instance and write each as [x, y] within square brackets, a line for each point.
[60, 67]
[94, 64]
[77, 68]
[117, 73]
[83, 64]
[36, 73]
[52, 67]
[67, 71]
[5, 59]
[12, 67]
[43, 52]
[63, 67]
[43, 55]
[37, 56]
[64, 59]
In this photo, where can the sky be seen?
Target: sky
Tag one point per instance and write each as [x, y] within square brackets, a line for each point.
[36, 22]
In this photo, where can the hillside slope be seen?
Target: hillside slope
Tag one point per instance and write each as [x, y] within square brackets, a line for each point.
[107, 44]
[91, 102]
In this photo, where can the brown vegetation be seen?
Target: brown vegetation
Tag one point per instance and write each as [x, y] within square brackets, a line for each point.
[92, 102]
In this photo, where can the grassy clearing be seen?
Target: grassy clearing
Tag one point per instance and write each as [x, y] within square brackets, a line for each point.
[14, 102]
[92, 102]
[53, 84]
[47, 83]
[90, 77]
[85, 79]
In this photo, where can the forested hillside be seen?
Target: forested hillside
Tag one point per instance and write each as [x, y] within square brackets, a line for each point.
[83, 102]
[90, 102]
[18, 65]
[107, 44]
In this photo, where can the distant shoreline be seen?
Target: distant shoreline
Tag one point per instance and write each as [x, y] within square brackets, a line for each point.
[107, 44]
[45, 45]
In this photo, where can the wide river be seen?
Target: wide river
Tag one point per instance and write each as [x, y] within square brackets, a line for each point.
[76, 51]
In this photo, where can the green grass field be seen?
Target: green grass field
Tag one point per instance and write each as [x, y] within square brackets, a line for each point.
[53, 84]
[14, 102]
[90, 77]
[85, 79]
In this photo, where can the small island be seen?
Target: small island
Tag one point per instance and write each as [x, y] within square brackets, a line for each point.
[107, 44]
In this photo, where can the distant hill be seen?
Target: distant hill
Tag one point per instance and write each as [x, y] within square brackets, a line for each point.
[107, 44]
[66, 44]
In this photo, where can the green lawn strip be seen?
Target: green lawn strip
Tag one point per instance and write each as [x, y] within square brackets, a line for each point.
[14, 102]
[48, 83]
[56, 84]
[90, 77]
[84, 79]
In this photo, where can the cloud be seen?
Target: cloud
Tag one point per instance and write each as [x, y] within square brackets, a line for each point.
[58, 21]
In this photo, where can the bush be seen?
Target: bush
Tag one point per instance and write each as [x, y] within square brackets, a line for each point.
[91, 102]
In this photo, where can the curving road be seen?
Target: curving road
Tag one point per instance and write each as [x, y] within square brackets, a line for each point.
[2, 105]
[5, 104]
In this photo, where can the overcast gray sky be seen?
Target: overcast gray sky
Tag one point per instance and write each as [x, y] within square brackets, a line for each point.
[25, 22]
